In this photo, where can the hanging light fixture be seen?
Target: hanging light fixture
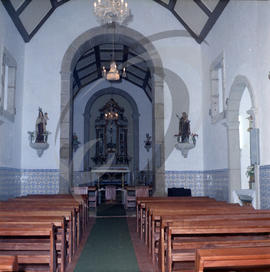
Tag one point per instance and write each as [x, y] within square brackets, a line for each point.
[112, 11]
[109, 11]
[113, 74]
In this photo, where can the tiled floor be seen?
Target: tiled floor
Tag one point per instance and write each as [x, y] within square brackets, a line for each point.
[142, 255]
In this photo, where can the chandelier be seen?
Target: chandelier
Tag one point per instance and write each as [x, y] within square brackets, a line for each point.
[109, 11]
[113, 74]
[111, 115]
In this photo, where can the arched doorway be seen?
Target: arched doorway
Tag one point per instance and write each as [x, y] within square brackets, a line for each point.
[72, 55]
[238, 88]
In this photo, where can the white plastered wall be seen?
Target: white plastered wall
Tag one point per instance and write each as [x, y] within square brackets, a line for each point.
[10, 132]
[44, 54]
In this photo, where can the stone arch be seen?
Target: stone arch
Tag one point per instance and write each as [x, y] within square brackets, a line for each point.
[71, 56]
[232, 123]
[135, 117]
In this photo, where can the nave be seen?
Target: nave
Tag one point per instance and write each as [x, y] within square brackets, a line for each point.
[168, 234]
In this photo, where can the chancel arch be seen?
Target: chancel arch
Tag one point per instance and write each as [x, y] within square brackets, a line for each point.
[79, 47]
[239, 86]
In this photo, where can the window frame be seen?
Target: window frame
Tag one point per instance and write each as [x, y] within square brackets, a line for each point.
[8, 86]
[215, 113]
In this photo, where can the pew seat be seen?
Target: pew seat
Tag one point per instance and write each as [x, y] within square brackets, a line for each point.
[8, 263]
[216, 258]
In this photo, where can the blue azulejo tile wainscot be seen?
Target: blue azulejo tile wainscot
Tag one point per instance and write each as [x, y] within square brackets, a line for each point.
[10, 183]
[265, 186]
[212, 183]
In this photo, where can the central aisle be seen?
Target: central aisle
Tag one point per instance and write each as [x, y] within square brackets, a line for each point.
[108, 248]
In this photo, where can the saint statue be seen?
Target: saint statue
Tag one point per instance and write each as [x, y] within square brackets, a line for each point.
[184, 127]
[41, 123]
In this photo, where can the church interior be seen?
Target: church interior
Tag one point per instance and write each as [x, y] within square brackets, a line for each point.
[128, 111]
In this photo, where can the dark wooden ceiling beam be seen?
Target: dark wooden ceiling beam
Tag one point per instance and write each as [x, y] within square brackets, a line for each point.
[191, 32]
[203, 7]
[147, 76]
[53, 3]
[98, 63]
[43, 20]
[135, 75]
[23, 6]
[87, 75]
[76, 78]
[61, 2]
[86, 56]
[125, 56]
[172, 4]
[12, 13]
[86, 66]
[213, 18]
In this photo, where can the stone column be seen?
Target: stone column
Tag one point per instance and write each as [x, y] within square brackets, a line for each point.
[65, 133]
[159, 154]
[234, 163]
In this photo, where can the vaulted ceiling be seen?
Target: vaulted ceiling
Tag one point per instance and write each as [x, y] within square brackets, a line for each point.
[89, 67]
[197, 16]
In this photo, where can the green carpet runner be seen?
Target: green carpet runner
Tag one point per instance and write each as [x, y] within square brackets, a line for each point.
[108, 248]
[110, 210]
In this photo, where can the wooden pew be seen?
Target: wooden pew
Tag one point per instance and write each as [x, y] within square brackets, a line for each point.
[61, 230]
[52, 207]
[253, 257]
[232, 216]
[75, 199]
[8, 263]
[211, 227]
[167, 204]
[40, 211]
[78, 204]
[72, 238]
[29, 257]
[141, 201]
[155, 211]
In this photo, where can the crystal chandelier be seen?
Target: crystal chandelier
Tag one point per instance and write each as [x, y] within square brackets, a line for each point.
[113, 74]
[110, 11]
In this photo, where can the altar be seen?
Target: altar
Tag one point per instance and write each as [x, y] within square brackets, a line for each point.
[109, 189]
[99, 172]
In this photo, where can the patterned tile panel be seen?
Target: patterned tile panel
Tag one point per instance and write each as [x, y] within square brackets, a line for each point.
[39, 181]
[17, 182]
[265, 186]
[10, 183]
[213, 183]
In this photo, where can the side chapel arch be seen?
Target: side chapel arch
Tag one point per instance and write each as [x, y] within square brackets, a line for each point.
[240, 83]
[72, 55]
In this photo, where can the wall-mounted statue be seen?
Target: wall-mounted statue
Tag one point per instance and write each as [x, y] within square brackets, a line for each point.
[184, 128]
[39, 138]
[41, 123]
[185, 139]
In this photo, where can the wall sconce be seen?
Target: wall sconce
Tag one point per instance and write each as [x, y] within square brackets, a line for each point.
[269, 75]
[148, 142]
[75, 142]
